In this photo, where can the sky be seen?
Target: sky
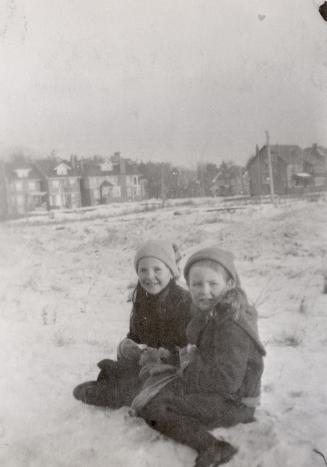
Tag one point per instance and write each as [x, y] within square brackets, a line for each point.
[175, 80]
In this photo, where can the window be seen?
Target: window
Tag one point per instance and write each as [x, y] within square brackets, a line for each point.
[55, 200]
[31, 185]
[135, 180]
[22, 173]
[55, 183]
[19, 186]
[106, 166]
[62, 169]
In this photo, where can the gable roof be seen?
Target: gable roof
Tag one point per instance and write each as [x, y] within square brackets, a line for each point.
[106, 183]
[288, 153]
[92, 168]
[315, 150]
[12, 168]
[48, 168]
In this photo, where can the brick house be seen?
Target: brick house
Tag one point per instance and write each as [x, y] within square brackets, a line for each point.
[315, 164]
[287, 162]
[24, 186]
[111, 179]
[63, 182]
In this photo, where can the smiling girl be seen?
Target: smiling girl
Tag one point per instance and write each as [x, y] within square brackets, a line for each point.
[160, 314]
[218, 381]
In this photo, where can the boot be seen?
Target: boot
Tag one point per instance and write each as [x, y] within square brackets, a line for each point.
[216, 454]
[99, 394]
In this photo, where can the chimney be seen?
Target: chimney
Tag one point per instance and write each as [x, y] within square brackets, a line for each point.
[122, 166]
[73, 161]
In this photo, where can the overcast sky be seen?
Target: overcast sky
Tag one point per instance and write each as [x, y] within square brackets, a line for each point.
[177, 80]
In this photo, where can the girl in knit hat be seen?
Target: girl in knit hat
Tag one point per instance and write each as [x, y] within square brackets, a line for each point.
[218, 381]
[160, 314]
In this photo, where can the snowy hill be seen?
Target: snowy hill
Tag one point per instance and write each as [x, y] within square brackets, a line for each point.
[63, 296]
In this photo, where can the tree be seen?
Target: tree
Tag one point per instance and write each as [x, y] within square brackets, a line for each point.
[205, 175]
[167, 181]
[152, 171]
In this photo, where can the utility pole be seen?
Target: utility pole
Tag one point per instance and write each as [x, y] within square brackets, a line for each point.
[271, 179]
[163, 184]
[200, 170]
[4, 208]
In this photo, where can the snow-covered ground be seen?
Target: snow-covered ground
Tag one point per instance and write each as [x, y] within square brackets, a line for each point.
[63, 295]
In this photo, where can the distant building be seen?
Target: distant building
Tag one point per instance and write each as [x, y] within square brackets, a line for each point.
[63, 182]
[111, 179]
[287, 162]
[25, 190]
[3, 192]
[315, 164]
[230, 181]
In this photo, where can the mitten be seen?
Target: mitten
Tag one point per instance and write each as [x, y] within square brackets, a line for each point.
[128, 350]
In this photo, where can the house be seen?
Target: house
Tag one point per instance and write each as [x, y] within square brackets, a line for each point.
[25, 190]
[63, 182]
[315, 164]
[286, 161]
[106, 180]
[220, 185]
[239, 181]
[3, 192]
[230, 180]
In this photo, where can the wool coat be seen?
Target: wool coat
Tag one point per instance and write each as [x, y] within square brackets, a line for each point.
[156, 321]
[229, 357]
[218, 386]
[161, 320]
[224, 371]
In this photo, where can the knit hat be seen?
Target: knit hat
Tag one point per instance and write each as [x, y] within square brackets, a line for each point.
[162, 250]
[223, 257]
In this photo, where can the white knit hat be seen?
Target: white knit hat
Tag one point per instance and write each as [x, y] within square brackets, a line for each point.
[224, 257]
[162, 250]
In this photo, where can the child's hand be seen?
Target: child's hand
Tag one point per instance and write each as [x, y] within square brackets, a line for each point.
[128, 350]
[152, 355]
[149, 355]
[164, 354]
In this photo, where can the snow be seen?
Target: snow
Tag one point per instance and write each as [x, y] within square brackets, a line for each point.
[63, 293]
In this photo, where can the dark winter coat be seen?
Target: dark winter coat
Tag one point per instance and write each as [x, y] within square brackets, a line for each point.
[161, 320]
[157, 321]
[229, 360]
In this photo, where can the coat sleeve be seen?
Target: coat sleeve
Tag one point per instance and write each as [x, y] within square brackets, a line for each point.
[222, 371]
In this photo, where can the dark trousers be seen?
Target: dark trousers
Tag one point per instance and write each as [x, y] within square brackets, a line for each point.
[187, 418]
[116, 386]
